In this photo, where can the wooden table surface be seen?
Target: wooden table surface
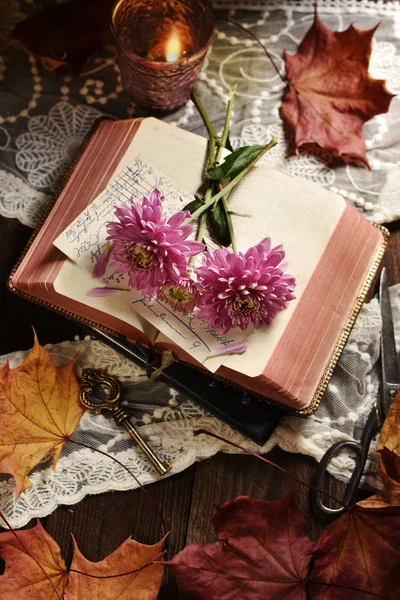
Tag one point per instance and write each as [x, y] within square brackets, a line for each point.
[100, 523]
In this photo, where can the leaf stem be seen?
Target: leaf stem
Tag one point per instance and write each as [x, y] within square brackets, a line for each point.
[259, 42]
[200, 231]
[2, 516]
[232, 183]
[197, 432]
[346, 587]
[145, 492]
[156, 560]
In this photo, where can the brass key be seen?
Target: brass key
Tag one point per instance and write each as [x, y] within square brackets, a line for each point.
[91, 378]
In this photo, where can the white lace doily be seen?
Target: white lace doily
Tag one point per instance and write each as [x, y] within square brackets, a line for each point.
[43, 118]
[167, 419]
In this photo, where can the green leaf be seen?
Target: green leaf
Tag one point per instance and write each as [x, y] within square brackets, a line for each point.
[235, 163]
[218, 224]
[193, 205]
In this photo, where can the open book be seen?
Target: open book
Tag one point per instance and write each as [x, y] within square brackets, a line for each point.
[332, 250]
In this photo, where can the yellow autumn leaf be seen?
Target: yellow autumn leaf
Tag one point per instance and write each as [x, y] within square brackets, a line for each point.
[39, 410]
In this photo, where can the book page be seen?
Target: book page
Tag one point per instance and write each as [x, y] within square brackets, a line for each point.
[291, 211]
[180, 154]
[73, 282]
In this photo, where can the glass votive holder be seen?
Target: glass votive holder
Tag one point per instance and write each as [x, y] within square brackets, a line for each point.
[161, 45]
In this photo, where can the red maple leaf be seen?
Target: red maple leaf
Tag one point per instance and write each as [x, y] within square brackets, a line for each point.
[263, 553]
[331, 93]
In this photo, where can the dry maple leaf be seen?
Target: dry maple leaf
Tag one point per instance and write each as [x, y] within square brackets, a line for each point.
[65, 36]
[39, 410]
[130, 556]
[24, 577]
[331, 93]
[358, 558]
[263, 552]
[388, 448]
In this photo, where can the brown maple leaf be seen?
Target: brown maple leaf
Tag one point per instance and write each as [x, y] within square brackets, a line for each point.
[388, 448]
[35, 570]
[39, 410]
[263, 552]
[65, 36]
[358, 557]
[331, 93]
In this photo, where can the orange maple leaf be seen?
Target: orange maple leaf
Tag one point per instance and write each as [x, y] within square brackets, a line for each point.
[331, 93]
[388, 448]
[35, 570]
[143, 584]
[39, 410]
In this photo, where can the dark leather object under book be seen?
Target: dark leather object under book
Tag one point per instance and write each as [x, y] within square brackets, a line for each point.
[244, 412]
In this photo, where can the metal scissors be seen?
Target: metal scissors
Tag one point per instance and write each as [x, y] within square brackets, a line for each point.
[390, 386]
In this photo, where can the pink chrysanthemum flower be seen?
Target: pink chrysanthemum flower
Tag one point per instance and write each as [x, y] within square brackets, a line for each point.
[237, 289]
[181, 296]
[148, 247]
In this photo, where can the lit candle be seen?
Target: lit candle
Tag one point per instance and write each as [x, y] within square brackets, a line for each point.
[174, 48]
[161, 47]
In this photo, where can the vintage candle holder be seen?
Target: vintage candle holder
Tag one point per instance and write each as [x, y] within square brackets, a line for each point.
[161, 45]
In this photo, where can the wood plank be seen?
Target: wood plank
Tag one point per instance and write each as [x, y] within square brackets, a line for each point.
[227, 476]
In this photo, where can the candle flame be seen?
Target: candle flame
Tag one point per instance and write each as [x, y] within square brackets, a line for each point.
[173, 47]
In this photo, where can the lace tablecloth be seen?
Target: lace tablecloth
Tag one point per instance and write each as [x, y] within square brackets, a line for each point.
[167, 419]
[43, 120]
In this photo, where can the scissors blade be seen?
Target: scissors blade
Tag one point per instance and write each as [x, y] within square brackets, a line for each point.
[390, 367]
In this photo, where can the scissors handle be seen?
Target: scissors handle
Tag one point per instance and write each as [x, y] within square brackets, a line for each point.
[317, 496]
[361, 451]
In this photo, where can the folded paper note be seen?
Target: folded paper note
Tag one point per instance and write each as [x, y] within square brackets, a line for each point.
[333, 252]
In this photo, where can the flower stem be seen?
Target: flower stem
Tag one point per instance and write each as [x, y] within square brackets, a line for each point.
[229, 222]
[224, 138]
[232, 183]
[227, 123]
[210, 129]
[202, 226]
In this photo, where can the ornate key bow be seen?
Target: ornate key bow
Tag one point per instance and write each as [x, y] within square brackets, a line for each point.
[92, 378]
